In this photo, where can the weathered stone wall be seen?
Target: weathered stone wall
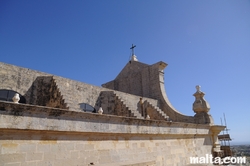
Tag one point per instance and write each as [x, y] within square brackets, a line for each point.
[38, 148]
[38, 88]
[56, 132]
[23, 81]
[121, 83]
[35, 135]
[147, 81]
[74, 93]
[113, 105]
[44, 89]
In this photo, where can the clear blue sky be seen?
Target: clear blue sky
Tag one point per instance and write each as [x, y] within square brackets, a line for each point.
[204, 42]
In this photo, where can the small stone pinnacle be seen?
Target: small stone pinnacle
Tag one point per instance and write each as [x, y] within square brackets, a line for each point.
[198, 87]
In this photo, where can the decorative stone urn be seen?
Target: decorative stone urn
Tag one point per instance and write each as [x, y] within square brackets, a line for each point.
[100, 111]
[201, 108]
[16, 98]
[200, 104]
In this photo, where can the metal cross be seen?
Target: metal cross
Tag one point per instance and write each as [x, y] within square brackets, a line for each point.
[132, 48]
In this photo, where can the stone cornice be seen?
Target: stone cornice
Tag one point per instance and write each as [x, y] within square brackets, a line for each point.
[30, 117]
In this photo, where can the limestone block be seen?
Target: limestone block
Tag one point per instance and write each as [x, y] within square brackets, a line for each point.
[43, 147]
[29, 163]
[14, 164]
[11, 158]
[29, 147]
[49, 156]
[9, 148]
[79, 146]
[74, 154]
[43, 163]
[32, 156]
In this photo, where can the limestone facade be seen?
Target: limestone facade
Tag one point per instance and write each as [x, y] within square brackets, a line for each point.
[51, 129]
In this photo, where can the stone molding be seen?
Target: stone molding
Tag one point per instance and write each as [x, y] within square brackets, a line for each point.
[29, 117]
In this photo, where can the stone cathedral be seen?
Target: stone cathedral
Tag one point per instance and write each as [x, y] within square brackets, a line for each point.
[47, 120]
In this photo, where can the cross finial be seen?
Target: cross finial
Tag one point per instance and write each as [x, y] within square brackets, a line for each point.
[132, 48]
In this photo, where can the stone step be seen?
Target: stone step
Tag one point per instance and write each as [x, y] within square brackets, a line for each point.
[132, 107]
[160, 112]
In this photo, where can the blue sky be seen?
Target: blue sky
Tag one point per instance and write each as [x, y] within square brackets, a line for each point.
[204, 42]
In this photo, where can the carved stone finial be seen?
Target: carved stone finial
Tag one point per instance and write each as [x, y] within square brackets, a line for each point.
[148, 117]
[16, 98]
[201, 108]
[198, 88]
[100, 111]
[200, 104]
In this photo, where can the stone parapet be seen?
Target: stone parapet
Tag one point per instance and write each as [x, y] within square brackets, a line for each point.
[28, 117]
[37, 135]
